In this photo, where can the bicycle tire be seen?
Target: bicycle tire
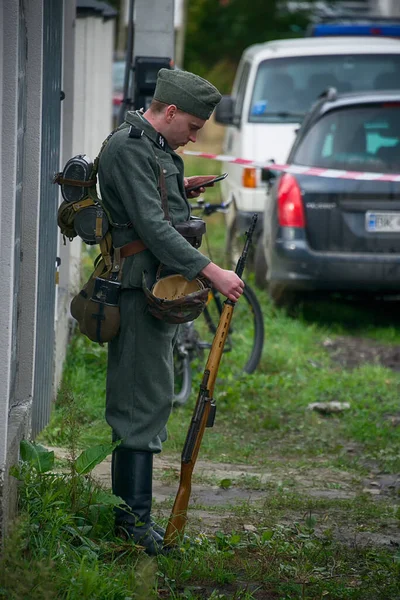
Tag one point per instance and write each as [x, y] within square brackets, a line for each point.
[246, 334]
[182, 378]
[258, 343]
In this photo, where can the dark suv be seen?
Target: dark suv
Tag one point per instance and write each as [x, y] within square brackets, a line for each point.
[335, 232]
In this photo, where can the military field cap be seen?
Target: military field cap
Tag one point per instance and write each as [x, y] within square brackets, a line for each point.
[189, 92]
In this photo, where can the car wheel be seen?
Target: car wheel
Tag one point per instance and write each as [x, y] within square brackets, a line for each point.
[260, 265]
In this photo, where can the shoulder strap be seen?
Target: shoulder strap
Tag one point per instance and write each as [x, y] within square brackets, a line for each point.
[163, 192]
[105, 243]
[96, 160]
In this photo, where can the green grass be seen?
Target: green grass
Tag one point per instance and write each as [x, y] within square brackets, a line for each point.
[292, 547]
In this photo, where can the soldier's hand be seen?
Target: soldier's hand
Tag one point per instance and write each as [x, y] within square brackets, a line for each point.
[197, 180]
[226, 282]
[193, 193]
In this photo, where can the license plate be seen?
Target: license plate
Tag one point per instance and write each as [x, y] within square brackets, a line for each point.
[382, 221]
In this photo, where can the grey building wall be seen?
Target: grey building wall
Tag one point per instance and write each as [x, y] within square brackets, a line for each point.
[19, 159]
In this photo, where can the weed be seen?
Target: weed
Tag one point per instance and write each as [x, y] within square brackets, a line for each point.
[22, 575]
[66, 528]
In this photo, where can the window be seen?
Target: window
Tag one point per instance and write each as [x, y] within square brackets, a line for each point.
[241, 90]
[285, 88]
[363, 138]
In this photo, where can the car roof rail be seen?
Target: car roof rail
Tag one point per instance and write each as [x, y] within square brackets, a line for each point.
[329, 94]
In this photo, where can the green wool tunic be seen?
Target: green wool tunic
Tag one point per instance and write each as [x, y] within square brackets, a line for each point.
[140, 359]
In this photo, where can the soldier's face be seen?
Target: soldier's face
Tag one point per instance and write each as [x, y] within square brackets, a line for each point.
[183, 128]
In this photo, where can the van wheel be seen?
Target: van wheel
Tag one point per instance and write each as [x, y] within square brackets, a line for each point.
[260, 265]
[234, 247]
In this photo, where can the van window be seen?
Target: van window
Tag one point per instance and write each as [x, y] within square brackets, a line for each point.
[241, 90]
[285, 88]
[360, 138]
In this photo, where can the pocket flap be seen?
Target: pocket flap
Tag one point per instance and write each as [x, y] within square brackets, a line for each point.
[168, 168]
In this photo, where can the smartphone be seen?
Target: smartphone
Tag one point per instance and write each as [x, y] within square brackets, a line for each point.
[197, 187]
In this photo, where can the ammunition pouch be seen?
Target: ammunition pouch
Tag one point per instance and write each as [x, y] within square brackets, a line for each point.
[81, 212]
[85, 218]
[96, 307]
[192, 230]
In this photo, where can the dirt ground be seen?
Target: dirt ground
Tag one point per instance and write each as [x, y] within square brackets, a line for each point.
[351, 352]
[212, 507]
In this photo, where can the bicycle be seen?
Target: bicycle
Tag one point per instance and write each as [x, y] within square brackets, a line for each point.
[245, 339]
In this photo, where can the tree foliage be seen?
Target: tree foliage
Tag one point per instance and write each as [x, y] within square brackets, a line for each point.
[219, 30]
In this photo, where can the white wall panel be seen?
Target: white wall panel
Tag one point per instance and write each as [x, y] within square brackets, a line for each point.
[7, 193]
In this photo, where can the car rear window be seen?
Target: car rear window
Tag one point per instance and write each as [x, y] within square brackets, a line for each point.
[360, 138]
[285, 88]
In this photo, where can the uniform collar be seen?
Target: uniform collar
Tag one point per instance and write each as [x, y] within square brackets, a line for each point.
[136, 118]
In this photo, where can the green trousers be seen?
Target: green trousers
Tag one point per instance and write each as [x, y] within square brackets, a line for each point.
[140, 376]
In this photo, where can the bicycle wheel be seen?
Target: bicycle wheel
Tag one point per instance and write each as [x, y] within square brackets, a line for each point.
[182, 369]
[245, 341]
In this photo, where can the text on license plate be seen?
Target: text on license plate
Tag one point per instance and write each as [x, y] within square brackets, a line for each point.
[382, 221]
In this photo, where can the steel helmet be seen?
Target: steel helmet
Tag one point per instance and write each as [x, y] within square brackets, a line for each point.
[175, 299]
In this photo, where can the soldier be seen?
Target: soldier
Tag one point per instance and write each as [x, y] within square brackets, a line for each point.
[143, 190]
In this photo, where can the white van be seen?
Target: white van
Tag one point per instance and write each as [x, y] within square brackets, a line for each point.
[275, 85]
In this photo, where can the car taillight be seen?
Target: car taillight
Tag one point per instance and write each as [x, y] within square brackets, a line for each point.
[290, 205]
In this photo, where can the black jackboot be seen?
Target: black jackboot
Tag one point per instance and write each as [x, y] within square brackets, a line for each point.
[132, 479]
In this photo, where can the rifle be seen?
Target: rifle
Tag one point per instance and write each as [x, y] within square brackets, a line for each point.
[204, 411]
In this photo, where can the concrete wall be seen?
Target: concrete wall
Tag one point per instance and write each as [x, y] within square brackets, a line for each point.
[94, 39]
[69, 253]
[87, 120]
[15, 409]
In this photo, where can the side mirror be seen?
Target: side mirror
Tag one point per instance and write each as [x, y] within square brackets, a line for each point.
[224, 111]
[268, 175]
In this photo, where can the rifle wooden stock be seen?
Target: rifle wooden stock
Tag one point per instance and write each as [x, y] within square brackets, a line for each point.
[204, 411]
[177, 521]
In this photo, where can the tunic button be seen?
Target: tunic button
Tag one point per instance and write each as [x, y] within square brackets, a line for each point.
[164, 170]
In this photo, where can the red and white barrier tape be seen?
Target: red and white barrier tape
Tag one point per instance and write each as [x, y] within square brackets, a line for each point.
[299, 170]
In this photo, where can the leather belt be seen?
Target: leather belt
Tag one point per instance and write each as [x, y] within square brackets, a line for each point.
[132, 248]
